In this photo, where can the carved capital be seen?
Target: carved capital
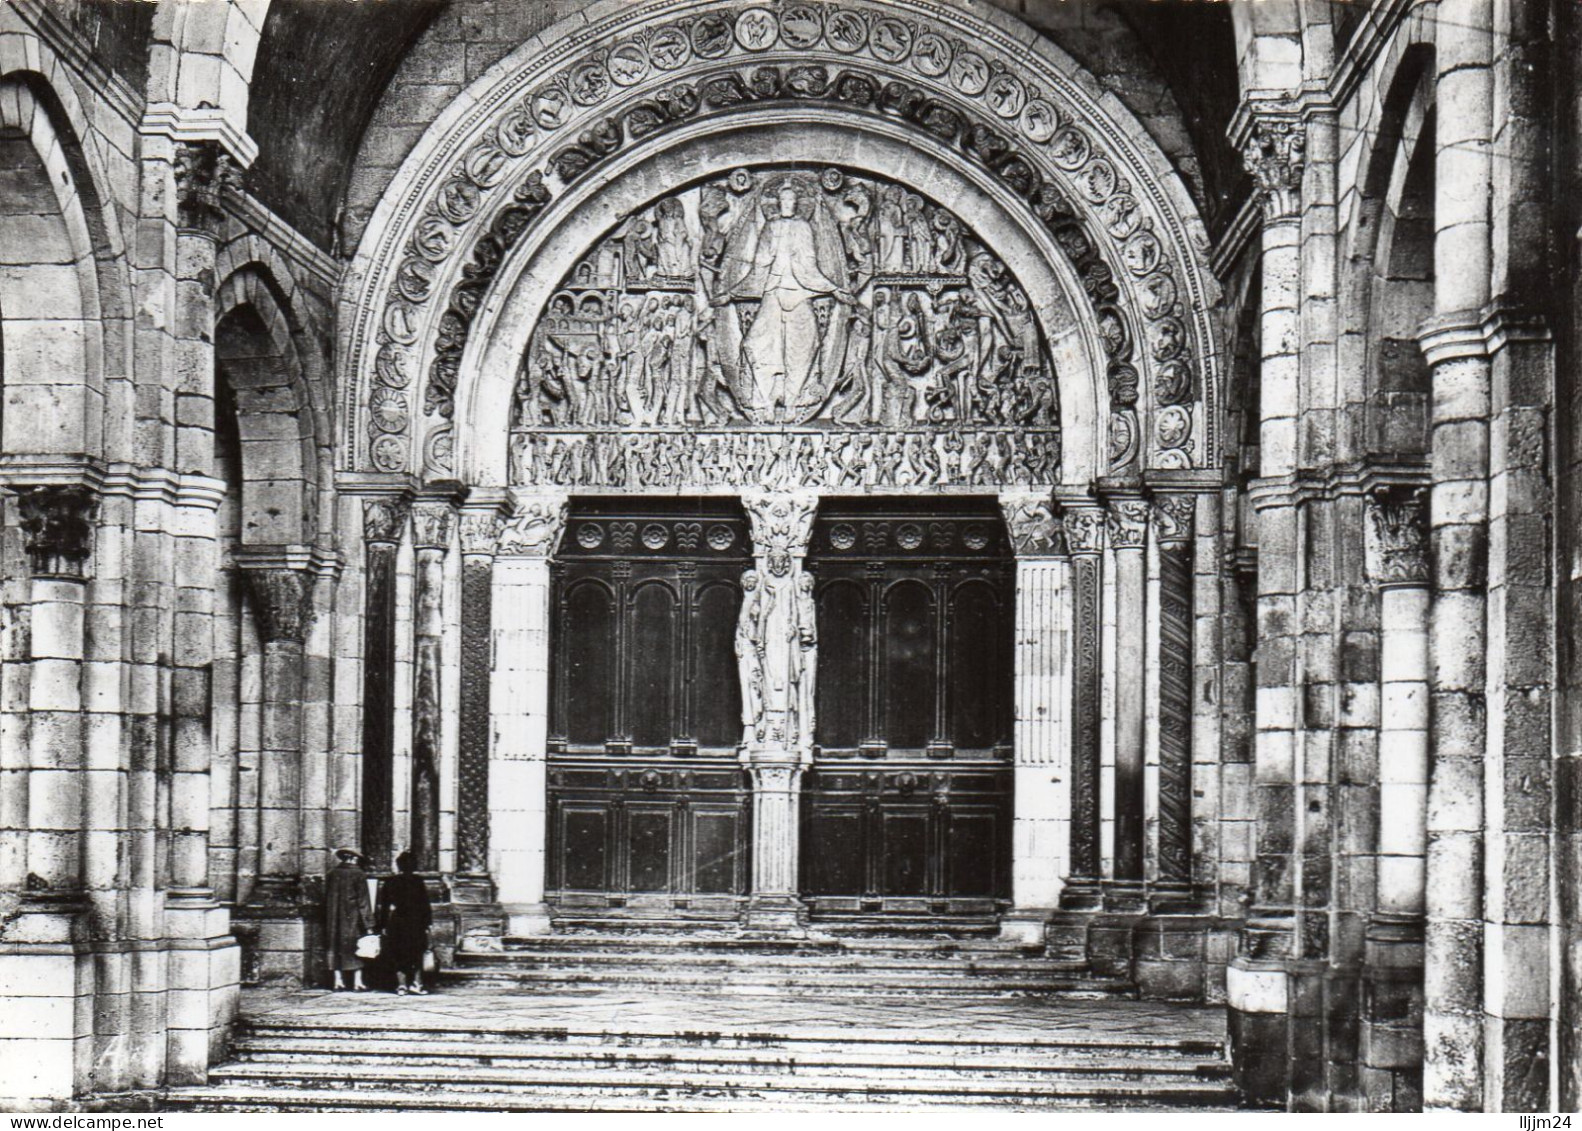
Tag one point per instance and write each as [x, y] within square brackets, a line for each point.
[1084, 529]
[204, 170]
[384, 519]
[479, 531]
[431, 525]
[782, 526]
[1128, 523]
[1173, 517]
[57, 528]
[282, 603]
[535, 525]
[1396, 537]
[1275, 154]
[1030, 518]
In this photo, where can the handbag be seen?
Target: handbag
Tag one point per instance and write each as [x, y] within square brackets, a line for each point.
[368, 946]
[430, 965]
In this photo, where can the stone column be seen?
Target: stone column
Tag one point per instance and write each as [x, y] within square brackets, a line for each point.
[47, 968]
[1457, 355]
[519, 702]
[1042, 773]
[433, 522]
[1396, 540]
[281, 597]
[1171, 888]
[779, 746]
[384, 522]
[1083, 526]
[1274, 151]
[1127, 519]
[479, 532]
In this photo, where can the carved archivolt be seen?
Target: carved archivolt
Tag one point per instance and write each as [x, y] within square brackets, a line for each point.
[970, 88]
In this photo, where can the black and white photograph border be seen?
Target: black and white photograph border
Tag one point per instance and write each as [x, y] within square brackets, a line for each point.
[790, 556]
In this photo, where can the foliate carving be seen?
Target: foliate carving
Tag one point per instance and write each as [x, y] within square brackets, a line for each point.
[534, 528]
[479, 531]
[1396, 537]
[1275, 154]
[431, 525]
[1033, 141]
[1084, 529]
[1127, 523]
[203, 172]
[384, 520]
[57, 529]
[781, 296]
[1035, 531]
[1173, 517]
[282, 603]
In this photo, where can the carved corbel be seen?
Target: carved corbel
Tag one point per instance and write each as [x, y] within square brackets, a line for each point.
[535, 525]
[204, 171]
[1034, 528]
[282, 603]
[782, 526]
[1395, 538]
[57, 528]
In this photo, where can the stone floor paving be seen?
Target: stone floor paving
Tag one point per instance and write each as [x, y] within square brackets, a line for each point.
[494, 1007]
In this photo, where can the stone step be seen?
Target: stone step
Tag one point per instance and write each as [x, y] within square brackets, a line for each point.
[796, 963]
[265, 1099]
[894, 1060]
[825, 1087]
[825, 983]
[801, 1041]
[737, 943]
[728, 924]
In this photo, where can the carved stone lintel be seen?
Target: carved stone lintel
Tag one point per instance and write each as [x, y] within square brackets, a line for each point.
[1275, 154]
[1030, 518]
[479, 531]
[57, 526]
[384, 520]
[1128, 523]
[1396, 537]
[204, 170]
[282, 603]
[431, 525]
[535, 525]
[1084, 529]
[1173, 517]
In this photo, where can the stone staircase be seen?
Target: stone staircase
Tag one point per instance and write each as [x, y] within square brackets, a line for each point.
[832, 966]
[672, 1022]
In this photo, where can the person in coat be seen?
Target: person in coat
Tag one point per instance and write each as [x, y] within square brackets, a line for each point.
[404, 919]
[348, 915]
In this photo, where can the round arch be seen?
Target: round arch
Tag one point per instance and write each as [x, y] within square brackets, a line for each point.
[505, 321]
[969, 84]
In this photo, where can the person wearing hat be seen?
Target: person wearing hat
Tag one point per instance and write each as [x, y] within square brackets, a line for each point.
[348, 912]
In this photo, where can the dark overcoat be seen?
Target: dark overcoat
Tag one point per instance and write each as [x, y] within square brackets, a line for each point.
[348, 915]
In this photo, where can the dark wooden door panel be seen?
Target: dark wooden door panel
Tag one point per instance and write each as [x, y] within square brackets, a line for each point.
[649, 830]
[582, 844]
[906, 838]
[717, 850]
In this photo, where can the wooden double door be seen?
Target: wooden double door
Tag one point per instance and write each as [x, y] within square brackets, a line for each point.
[907, 808]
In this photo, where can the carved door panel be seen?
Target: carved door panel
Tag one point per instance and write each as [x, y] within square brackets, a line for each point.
[649, 808]
[908, 807]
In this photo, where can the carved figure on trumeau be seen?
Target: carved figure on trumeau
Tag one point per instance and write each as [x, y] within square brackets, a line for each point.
[749, 657]
[734, 330]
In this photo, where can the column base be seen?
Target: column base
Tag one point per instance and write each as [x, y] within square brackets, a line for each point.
[1125, 897]
[523, 920]
[1169, 897]
[48, 984]
[1025, 925]
[205, 974]
[781, 915]
[1082, 893]
[480, 920]
[281, 931]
